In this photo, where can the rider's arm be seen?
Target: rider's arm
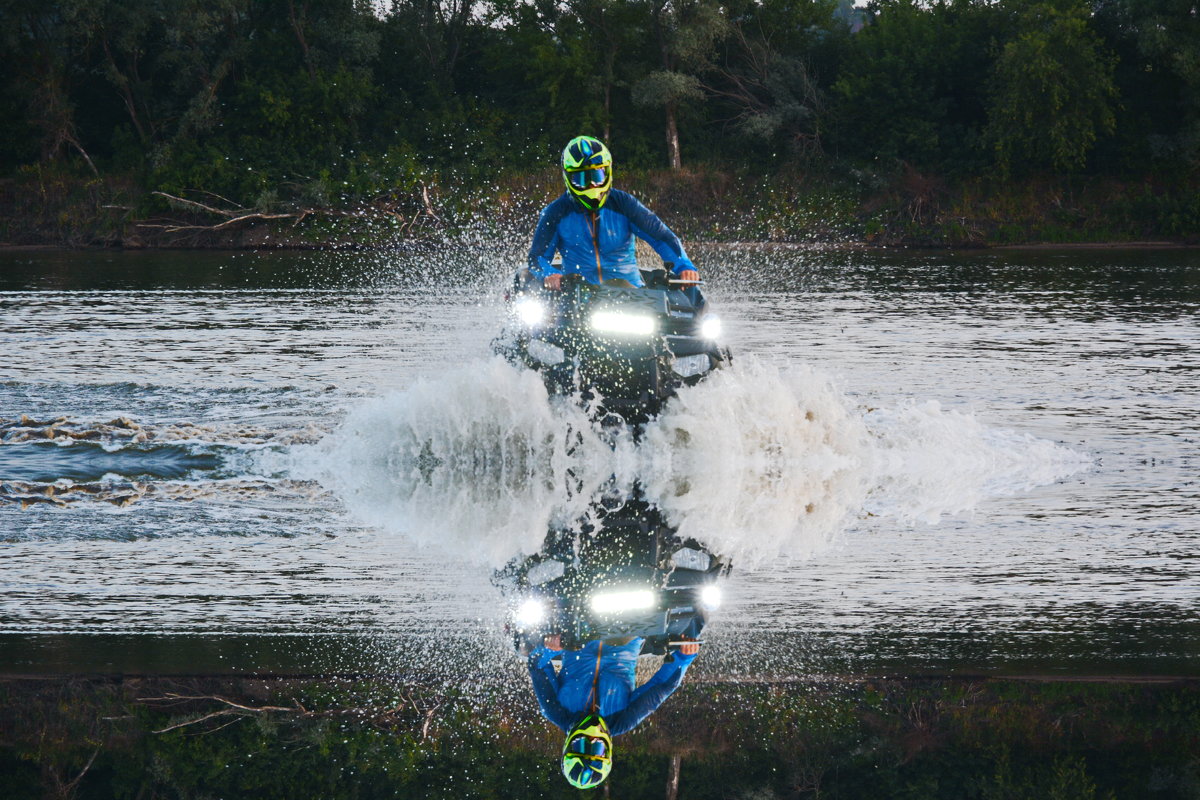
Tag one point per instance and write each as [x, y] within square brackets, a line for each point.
[541, 672]
[646, 699]
[648, 226]
[545, 238]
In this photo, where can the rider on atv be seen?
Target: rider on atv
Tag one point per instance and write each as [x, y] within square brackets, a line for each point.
[593, 698]
[592, 225]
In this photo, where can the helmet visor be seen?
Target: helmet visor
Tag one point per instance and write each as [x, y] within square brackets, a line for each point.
[589, 747]
[588, 178]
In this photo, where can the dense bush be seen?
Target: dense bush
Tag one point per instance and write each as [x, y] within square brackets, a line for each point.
[783, 119]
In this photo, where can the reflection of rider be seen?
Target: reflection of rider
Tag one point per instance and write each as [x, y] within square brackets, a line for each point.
[593, 697]
[593, 225]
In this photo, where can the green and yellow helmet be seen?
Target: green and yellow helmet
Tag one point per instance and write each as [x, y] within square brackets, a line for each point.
[587, 753]
[587, 171]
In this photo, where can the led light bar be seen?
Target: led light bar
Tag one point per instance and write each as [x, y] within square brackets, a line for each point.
[616, 602]
[622, 324]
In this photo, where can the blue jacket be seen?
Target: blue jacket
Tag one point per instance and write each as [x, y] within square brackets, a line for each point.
[585, 238]
[567, 695]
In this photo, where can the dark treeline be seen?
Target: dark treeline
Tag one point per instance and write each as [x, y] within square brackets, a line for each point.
[915, 739]
[274, 103]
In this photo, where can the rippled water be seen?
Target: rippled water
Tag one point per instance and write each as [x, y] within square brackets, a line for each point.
[978, 461]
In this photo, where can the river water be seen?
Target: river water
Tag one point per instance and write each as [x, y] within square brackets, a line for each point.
[919, 462]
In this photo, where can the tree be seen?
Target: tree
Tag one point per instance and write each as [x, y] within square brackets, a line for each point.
[766, 79]
[686, 32]
[1159, 46]
[1053, 89]
[42, 42]
[608, 28]
[913, 83]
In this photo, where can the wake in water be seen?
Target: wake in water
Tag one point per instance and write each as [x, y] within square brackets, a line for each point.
[755, 462]
[122, 431]
[120, 493]
[61, 461]
[480, 461]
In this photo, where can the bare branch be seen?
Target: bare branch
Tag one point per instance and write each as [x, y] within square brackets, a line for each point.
[179, 697]
[224, 712]
[194, 204]
[70, 786]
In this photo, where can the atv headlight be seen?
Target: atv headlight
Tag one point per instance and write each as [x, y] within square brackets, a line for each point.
[622, 324]
[710, 596]
[616, 602]
[530, 311]
[530, 614]
[711, 327]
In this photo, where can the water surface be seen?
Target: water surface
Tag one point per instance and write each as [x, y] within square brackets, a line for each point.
[920, 462]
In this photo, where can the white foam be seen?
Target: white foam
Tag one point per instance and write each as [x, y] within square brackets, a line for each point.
[756, 462]
[477, 461]
[928, 462]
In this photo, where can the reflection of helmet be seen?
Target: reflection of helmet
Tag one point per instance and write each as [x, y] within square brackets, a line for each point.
[587, 171]
[587, 753]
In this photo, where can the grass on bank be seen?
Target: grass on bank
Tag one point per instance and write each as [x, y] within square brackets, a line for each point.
[383, 202]
[323, 738]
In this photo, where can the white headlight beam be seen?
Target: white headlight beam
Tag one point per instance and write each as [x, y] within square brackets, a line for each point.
[530, 613]
[617, 602]
[531, 312]
[711, 596]
[622, 324]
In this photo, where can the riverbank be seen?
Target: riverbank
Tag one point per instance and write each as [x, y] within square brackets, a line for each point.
[356, 736]
[848, 208]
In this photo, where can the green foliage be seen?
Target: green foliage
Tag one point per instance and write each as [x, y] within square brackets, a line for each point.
[287, 104]
[912, 84]
[953, 739]
[1052, 89]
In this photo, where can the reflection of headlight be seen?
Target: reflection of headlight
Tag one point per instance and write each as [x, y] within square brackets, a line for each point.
[531, 613]
[627, 324]
[710, 596]
[616, 602]
[711, 327]
[530, 311]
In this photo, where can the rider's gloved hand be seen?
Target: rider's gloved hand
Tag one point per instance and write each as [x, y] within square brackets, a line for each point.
[689, 275]
[691, 648]
[553, 281]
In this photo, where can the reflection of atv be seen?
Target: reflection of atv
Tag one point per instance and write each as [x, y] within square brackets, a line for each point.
[628, 575]
[633, 347]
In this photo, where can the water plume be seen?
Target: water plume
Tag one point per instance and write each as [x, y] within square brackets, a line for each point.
[756, 462]
[928, 462]
[478, 460]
